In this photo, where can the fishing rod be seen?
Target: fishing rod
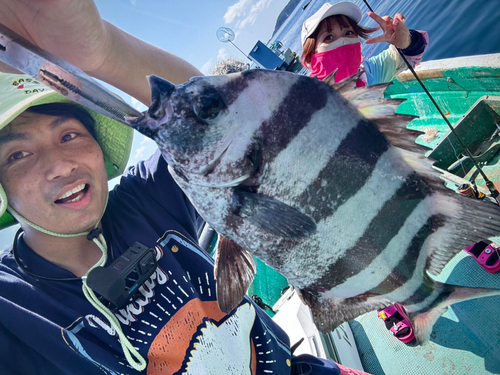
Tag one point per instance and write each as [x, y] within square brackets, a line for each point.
[489, 184]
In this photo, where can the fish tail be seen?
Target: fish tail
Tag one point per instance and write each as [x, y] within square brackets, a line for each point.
[444, 296]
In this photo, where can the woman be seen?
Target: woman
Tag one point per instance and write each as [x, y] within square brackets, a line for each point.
[331, 41]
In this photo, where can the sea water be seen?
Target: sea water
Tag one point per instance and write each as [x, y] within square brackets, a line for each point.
[455, 27]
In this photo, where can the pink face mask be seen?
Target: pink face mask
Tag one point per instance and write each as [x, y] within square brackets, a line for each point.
[346, 59]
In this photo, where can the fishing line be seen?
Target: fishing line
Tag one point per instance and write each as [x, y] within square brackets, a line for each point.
[456, 156]
[489, 184]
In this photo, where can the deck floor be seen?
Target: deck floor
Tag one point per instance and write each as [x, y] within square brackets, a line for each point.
[465, 340]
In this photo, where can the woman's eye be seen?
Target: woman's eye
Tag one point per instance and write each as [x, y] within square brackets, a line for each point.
[328, 38]
[18, 155]
[68, 137]
[349, 32]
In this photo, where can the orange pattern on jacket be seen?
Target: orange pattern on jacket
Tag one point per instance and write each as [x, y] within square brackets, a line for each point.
[168, 350]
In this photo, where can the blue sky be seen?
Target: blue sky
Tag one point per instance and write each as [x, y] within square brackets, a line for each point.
[187, 29]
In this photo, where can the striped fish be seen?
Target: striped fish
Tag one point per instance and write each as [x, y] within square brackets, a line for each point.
[322, 182]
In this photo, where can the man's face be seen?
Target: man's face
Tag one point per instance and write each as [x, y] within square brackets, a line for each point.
[53, 172]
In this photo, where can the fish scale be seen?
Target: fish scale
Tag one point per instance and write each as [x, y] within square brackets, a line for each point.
[340, 201]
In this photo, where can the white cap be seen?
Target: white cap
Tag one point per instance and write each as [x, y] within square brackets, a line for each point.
[345, 8]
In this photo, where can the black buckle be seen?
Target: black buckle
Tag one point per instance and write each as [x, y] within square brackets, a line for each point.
[94, 233]
[301, 368]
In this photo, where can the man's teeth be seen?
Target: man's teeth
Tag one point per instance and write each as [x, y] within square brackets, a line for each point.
[72, 191]
[76, 199]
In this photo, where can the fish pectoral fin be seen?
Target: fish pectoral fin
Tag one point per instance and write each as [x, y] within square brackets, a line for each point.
[234, 271]
[272, 216]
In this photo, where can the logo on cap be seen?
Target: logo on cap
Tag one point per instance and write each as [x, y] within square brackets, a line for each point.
[29, 85]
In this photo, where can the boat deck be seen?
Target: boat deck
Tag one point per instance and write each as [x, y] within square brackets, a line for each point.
[465, 340]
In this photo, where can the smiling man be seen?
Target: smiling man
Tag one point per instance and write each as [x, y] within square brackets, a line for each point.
[53, 171]
[55, 161]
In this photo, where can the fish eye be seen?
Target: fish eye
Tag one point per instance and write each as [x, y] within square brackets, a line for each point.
[207, 107]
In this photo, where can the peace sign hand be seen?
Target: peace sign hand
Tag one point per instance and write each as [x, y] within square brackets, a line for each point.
[395, 31]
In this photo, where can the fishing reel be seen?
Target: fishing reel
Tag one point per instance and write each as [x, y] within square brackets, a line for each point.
[119, 282]
[470, 191]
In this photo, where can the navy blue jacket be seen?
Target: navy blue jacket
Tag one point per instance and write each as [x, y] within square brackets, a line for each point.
[48, 327]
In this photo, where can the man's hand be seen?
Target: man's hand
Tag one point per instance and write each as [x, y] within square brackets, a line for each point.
[395, 31]
[70, 29]
[74, 31]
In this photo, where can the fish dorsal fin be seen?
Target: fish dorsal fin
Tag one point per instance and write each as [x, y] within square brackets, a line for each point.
[346, 84]
[370, 102]
[456, 233]
[234, 272]
[330, 79]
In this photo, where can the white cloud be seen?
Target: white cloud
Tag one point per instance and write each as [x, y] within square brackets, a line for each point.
[210, 64]
[205, 69]
[254, 13]
[244, 13]
[223, 54]
[147, 144]
[237, 10]
[140, 152]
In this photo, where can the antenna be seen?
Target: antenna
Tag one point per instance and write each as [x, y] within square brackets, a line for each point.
[225, 34]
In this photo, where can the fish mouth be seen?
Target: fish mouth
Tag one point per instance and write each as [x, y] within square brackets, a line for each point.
[228, 184]
[211, 167]
[214, 163]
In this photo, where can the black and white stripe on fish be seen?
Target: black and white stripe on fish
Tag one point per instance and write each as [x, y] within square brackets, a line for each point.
[327, 187]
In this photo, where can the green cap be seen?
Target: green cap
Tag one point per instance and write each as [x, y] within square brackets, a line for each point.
[18, 92]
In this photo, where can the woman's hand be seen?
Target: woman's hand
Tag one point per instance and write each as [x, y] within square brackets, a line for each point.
[395, 31]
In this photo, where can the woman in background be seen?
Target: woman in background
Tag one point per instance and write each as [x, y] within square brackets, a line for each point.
[331, 41]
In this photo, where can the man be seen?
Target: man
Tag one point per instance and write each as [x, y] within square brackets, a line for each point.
[55, 159]
[54, 174]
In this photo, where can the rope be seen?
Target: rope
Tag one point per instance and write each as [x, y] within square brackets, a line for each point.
[95, 235]
[127, 347]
